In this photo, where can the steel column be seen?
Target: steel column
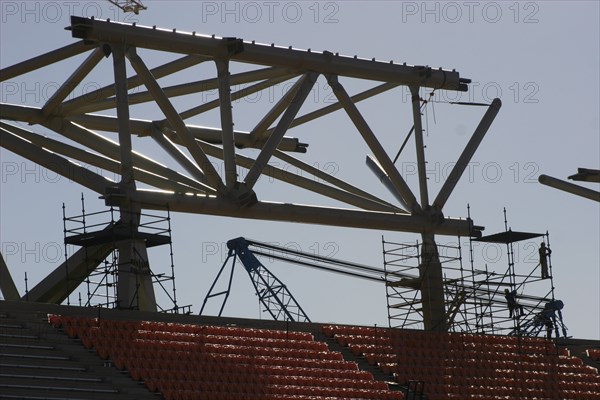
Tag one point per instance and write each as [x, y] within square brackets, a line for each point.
[226, 111]
[432, 286]
[125, 147]
[7, 285]
[420, 147]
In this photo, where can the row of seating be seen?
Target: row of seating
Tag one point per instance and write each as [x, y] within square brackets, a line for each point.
[182, 361]
[432, 339]
[66, 322]
[594, 354]
[233, 340]
[472, 366]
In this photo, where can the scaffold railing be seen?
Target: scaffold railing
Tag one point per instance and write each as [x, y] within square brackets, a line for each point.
[518, 299]
[89, 230]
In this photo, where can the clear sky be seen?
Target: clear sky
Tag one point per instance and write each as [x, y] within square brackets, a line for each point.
[541, 58]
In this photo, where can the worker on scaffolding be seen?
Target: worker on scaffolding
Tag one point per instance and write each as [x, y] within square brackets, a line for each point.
[544, 254]
[547, 317]
[511, 299]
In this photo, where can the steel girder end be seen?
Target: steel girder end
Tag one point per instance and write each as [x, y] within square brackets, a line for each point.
[233, 45]
[242, 195]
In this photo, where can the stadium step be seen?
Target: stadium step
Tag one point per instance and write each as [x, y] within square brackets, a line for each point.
[40, 362]
[363, 365]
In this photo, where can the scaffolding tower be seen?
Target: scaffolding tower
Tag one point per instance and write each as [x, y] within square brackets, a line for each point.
[101, 230]
[477, 299]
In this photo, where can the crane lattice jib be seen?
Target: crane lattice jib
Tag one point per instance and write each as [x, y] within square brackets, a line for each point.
[272, 293]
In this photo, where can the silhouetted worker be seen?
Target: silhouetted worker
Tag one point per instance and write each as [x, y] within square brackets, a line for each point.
[511, 299]
[548, 318]
[544, 253]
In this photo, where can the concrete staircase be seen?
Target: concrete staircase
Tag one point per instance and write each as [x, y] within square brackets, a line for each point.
[363, 365]
[38, 361]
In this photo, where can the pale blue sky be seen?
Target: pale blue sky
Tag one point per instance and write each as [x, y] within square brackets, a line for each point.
[541, 58]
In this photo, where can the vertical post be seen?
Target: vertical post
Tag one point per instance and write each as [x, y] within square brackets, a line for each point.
[420, 148]
[226, 123]
[127, 179]
[432, 286]
[133, 267]
[66, 255]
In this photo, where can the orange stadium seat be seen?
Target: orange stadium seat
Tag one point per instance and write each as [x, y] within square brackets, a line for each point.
[187, 361]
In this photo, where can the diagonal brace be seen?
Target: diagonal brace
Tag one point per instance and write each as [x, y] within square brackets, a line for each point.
[105, 92]
[371, 140]
[81, 72]
[467, 154]
[259, 131]
[54, 162]
[176, 153]
[305, 85]
[176, 122]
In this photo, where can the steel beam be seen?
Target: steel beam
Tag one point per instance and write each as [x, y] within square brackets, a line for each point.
[33, 115]
[71, 83]
[98, 161]
[182, 89]
[420, 146]
[569, 187]
[250, 52]
[202, 108]
[125, 147]
[226, 113]
[306, 214]
[61, 282]
[177, 123]
[178, 155]
[317, 173]
[206, 134]
[110, 149]
[467, 154]
[94, 97]
[371, 140]
[308, 184]
[305, 84]
[44, 60]
[134, 285]
[432, 286]
[259, 131]
[7, 285]
[376, 168]
[53, 162]
[338, 106]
